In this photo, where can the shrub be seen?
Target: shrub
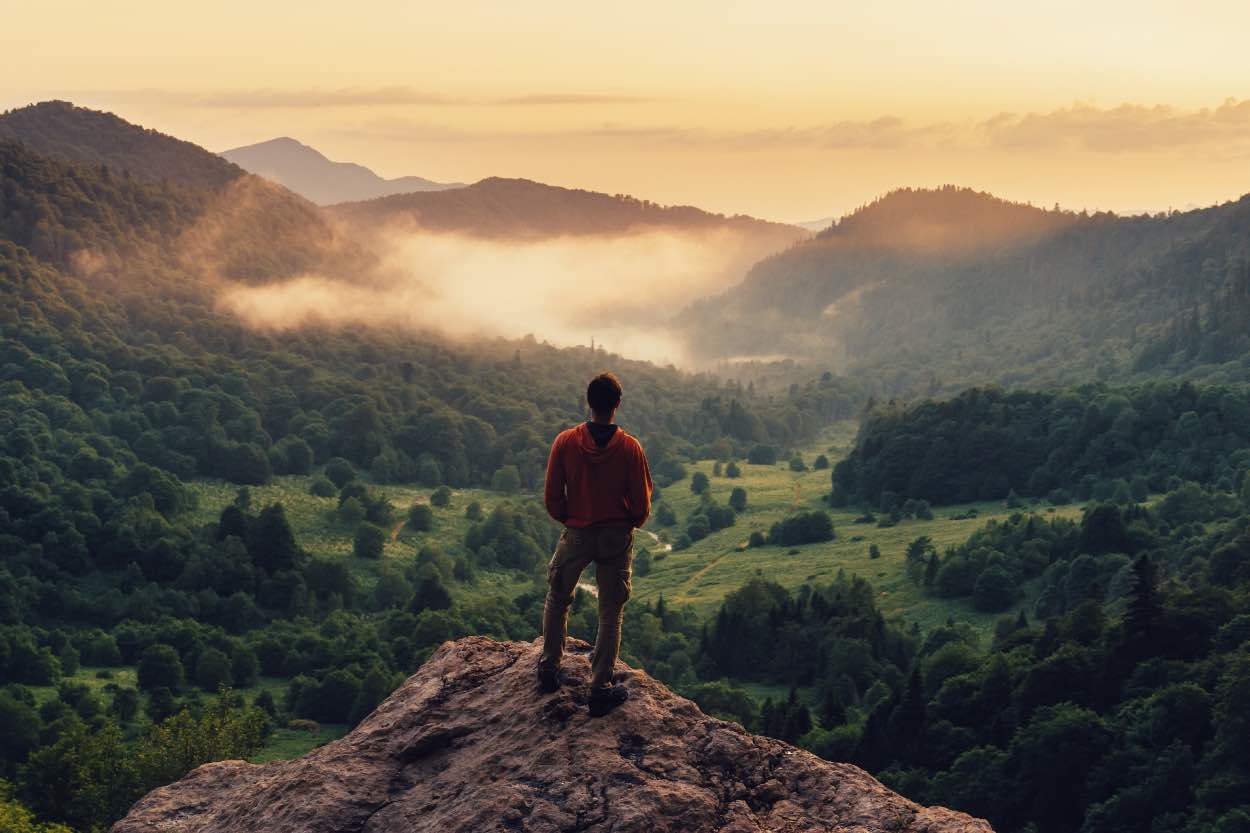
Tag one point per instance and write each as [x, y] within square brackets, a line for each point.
[321, 486]
[738, 499]
[160, 667]
[340, 472]
[421, 517]
[762, 455]
[473, 511]
[369, 541]
[699, 483]
[506, 479]
[796, 464]
[802, 528]
[732, 470]
[821, 463]
[441, 497]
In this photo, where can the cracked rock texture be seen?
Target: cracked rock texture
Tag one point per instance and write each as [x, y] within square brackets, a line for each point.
[468, 744]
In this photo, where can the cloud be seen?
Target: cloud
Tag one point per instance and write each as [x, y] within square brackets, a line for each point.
[352, 97]
[618, 289]
[544, 99]
[1127, 128]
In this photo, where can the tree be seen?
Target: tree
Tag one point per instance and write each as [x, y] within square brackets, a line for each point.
[431, 594]
[212, 670]
[797, 464]
[821, 463]
[995, 589]
[351, 511]
[339, 472]
[14, 818]
[19, 732]
[369, 541]
[322, 486]
[440, 497]
[506, 479]
[160, 667]
[271, 543]
[699, 483]
[247, 463]
[374, 688]
[420, 518]
[1144, 611]
[738, 499]
[917, 557]
[732, 470]
[473, 511]
[762, 455]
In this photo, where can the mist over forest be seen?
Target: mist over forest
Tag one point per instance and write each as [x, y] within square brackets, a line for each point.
[956, 490]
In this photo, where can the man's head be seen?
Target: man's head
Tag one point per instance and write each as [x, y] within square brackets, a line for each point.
[603, 394]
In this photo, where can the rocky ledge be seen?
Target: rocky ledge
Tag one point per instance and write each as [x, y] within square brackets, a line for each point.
[468, 744]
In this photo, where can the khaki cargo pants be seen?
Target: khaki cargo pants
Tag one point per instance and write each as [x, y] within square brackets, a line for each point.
[612, 551]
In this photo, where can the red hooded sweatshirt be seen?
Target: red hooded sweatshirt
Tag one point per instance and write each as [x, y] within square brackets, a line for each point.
[592, 486]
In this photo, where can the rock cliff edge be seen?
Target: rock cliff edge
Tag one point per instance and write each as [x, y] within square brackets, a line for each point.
[468, 744]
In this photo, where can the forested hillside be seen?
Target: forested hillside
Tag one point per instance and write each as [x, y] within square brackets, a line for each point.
[94, 138]
[932, 291]
[520, 208]
[1082, 443]
[121, 380]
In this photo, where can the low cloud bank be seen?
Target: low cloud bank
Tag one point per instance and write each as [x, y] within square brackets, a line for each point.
[618, 290]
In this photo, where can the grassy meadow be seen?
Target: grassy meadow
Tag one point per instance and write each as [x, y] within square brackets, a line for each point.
[319, 530]
[699, 577]
[704, 574]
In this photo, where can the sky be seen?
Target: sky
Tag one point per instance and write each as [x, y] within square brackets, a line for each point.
[786, 110]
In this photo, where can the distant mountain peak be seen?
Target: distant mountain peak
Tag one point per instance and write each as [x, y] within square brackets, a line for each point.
[949, 218]
[310, 173]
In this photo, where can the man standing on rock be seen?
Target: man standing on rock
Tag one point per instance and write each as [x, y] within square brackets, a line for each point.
[599, 487]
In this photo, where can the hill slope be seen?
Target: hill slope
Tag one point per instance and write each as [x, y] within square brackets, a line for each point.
[91, 137]
[310, 174]
[468, 744]
[940, 289]
[519, 208]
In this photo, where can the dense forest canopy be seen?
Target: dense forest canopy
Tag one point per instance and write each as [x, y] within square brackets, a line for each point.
[986, 444]
[933, 291]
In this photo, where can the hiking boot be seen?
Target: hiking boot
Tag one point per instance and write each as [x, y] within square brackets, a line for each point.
[604, 700]
[548, 679]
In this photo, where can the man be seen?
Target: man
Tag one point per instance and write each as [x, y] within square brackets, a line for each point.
[599, 487]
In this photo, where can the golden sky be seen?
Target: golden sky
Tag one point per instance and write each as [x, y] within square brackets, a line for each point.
[788, 110]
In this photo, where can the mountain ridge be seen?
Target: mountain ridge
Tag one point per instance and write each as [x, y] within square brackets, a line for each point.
[945, 288]
[95, 137]
[309, 173]
[493, 207]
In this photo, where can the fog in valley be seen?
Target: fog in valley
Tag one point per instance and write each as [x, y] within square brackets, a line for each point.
[619, 290]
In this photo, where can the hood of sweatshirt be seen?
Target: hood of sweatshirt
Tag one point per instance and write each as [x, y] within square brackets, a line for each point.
[591, 451]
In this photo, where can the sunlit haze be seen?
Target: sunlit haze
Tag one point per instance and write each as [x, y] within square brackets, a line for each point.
[790, 111]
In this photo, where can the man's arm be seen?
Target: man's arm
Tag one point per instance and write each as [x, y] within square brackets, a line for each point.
[638, 490]
[553, 490]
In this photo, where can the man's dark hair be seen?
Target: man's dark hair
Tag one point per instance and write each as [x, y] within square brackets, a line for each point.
[604, 393]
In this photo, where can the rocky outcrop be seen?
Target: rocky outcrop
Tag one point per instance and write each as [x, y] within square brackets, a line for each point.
[468, 744]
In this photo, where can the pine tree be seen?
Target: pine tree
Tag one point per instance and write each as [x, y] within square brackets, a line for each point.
[1142, 616]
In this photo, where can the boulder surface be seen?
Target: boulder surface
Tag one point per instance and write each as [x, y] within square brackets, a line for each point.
[468, 744]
